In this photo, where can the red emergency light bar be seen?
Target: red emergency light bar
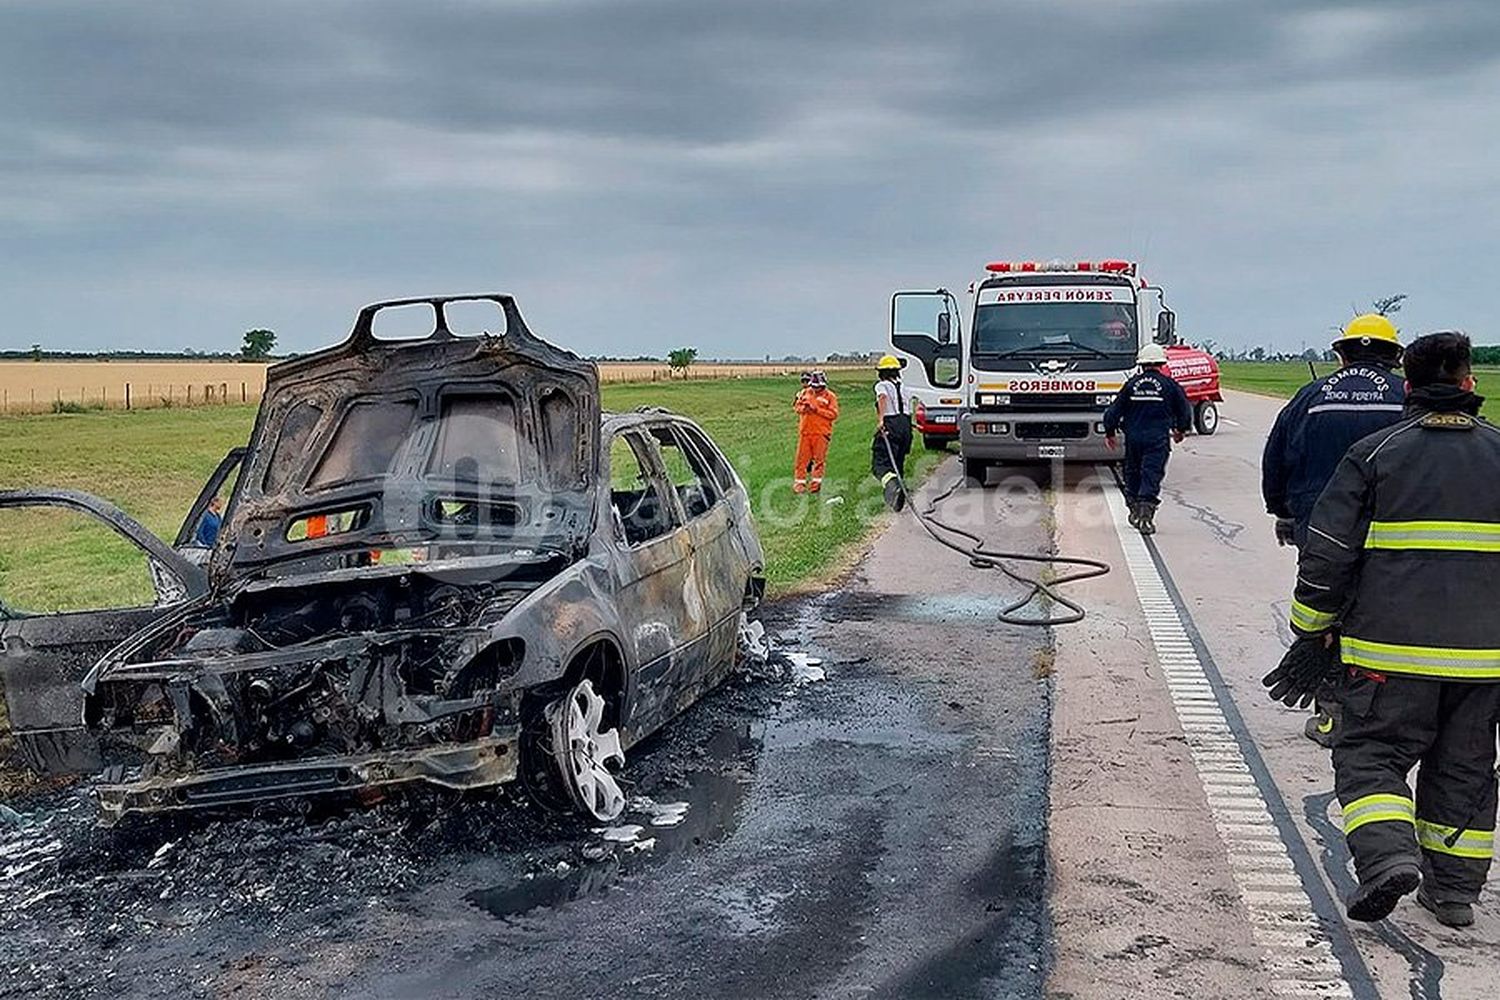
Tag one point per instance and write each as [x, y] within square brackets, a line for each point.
[1106, 266]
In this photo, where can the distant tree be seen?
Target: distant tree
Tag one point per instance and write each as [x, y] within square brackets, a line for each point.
[36, 352]
[258, 344]
[1388, 306]
[1207, 346]
[680, 358]
[1258, 354]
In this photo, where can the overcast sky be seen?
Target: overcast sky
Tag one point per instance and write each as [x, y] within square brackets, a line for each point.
[748, 177]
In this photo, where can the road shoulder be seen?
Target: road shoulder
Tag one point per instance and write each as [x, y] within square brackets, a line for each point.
[1142, 892]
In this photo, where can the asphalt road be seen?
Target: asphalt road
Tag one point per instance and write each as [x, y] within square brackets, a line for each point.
[960, 809]
[1243, 868]
[880, 833]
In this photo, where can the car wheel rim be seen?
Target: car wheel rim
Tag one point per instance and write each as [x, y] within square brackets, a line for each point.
[584, 752]
[1210, 417]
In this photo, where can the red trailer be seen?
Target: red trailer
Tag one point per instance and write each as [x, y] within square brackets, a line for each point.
[1197, 372]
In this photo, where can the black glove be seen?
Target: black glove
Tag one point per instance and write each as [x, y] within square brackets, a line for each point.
[1312, 662]
[1286, 531]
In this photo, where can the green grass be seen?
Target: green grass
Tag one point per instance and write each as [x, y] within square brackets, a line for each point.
[153, 462]
[1284, 378]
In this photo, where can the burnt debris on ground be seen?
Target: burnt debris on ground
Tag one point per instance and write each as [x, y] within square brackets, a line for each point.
[306, 869]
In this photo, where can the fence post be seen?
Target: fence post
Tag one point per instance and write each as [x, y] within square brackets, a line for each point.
[127, 395]
[244, 395]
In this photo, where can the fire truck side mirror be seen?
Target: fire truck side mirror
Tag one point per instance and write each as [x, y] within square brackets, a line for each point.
[1166, 327]
[944, 328]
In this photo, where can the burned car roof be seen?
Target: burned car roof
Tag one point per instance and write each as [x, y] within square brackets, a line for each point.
[384, 446]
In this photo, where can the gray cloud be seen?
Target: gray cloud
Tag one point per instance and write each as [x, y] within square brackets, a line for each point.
[751, 178]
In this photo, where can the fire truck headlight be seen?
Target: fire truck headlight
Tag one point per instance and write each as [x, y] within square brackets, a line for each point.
[1000, 428]
[1103, 400]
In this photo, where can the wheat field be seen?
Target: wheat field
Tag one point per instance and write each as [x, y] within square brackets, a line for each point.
[66, 386]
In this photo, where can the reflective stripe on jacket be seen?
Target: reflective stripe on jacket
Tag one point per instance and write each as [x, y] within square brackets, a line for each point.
[1313, 431]
[1403, 551]
[1149, 406]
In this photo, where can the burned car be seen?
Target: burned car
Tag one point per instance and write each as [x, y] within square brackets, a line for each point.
[440, 562]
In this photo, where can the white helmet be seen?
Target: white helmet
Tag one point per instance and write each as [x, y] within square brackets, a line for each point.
[1151, 354]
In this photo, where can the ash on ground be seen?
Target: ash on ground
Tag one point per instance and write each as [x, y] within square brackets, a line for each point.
[307, 869]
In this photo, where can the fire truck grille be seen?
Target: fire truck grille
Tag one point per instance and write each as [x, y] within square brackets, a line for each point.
[1052, 430]
[1030, 402]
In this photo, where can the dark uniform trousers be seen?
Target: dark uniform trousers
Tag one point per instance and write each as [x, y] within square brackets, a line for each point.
[1445, 728]
[1145, 468]
[898, 435]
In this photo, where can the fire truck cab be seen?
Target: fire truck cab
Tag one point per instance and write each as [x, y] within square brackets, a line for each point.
[1045, 349]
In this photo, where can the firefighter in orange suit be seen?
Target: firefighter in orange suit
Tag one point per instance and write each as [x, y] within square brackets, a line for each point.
[817, 408]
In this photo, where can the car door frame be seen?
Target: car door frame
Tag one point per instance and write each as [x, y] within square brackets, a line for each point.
[187, 534]
[62, 744]
[655, 668]
[719, 562]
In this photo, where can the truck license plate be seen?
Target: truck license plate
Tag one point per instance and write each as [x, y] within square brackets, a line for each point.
[1051, 451]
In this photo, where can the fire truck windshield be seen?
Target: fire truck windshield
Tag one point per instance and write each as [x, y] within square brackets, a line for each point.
[1098, 328]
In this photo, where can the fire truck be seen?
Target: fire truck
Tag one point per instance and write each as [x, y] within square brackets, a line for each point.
[1046, 348]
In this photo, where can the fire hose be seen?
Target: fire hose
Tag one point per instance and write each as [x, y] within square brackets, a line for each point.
[981, 557]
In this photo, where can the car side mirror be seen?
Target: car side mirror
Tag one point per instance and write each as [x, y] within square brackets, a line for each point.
[945, 328]
[1166, 327]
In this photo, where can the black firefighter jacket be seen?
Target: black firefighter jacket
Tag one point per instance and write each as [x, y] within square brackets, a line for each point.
[1403, 549]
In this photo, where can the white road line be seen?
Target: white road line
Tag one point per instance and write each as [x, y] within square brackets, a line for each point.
[1298, 953]
[1231, 423]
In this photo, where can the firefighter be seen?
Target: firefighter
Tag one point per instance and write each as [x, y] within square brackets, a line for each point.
[1152, 408]
[1313, 431]
[817, 408]
[1398, 570]
[892, 432]
[806, 378]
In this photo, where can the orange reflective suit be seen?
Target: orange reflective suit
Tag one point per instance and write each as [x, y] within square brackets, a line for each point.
[817, 409]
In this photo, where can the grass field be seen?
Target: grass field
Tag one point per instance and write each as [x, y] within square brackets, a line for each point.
[49, 386]
[153, 463]
[1284, 378]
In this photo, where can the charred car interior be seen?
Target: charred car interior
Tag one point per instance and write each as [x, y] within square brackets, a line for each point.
[440, 561]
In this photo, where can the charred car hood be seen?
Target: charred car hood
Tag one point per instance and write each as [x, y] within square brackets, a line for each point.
[436, 449]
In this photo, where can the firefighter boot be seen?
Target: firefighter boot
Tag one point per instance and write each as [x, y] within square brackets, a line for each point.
[1448, 914]
[1376, 898]
[1147, 518]
[1135, 514]
[895, 495]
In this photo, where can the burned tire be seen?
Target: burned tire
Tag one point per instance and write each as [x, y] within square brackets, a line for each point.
[585, 755]
[1206, 417]
[568, 760]
[976, 472]
[934, 442]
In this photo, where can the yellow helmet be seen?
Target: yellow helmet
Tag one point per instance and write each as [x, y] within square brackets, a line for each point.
[1368, 328]
[889, 363]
